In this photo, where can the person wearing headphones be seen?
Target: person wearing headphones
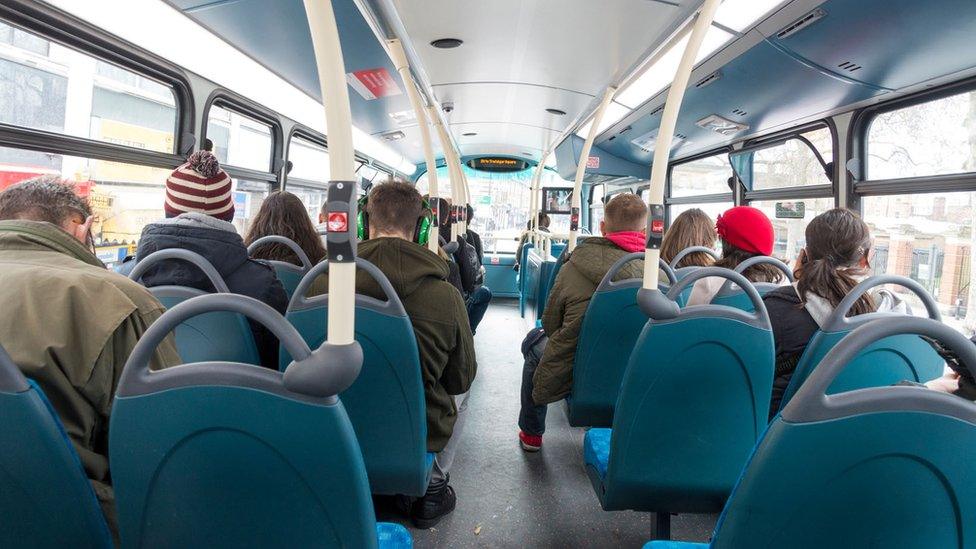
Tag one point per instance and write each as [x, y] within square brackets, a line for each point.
[394, 224]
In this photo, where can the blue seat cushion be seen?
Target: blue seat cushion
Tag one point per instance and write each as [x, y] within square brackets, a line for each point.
[393, 536]
[674, 545]
[430, 460]
[596, 450]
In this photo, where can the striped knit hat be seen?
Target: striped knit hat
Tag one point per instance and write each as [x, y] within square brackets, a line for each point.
[200, 186]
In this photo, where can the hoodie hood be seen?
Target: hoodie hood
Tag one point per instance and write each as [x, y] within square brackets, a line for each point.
[217, 241]
[885, 301]
[406, 264]
[594, 256]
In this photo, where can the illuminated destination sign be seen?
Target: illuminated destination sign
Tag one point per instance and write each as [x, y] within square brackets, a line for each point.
[497, 164]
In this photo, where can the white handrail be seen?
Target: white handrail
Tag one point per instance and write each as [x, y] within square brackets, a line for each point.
[335, 94]
[662, 149]
[576, 200]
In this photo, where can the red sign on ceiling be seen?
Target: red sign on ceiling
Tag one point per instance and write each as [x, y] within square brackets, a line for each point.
[593, 162]
[373, 83]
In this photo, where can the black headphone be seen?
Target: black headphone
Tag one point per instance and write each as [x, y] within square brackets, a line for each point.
[421, 232]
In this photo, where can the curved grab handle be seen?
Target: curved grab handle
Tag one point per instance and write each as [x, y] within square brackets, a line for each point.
[328, 380]
[812, 403]
[728, 274]
[608, 282]
[691, 250]
[393, 302]
[838, 320]
[194, 258]
[11, 378]
[276, 239]
[758, 260]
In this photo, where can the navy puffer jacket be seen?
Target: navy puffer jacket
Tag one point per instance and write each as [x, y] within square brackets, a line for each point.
[219, 243]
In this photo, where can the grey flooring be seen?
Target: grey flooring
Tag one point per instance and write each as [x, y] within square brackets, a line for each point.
[508, 498]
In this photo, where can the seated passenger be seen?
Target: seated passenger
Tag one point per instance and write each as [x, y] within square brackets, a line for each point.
[745, 232]
[833, 262]
[199, 208]
[547, 375]
[284, 214]
[479, 297]
[691, 228]
[543, 226]
[69, 323]
[440, 323]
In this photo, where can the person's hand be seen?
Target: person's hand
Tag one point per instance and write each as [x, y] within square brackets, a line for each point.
[948, 383]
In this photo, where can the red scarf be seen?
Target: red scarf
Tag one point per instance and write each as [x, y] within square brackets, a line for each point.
[628, 241]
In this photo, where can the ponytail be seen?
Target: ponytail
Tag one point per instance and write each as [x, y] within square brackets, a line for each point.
[837, 241]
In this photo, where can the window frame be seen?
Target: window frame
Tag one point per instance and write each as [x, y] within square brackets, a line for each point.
[233, 102]
[699, 198]
[858, 144]
[54, 25]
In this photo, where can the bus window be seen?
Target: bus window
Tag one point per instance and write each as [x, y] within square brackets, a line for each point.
[248, 197]
[933, 138]
[312, 197]
[596, 207]
[713, 209]
[240, 140]
[790, 219]
[310, 161]
[50, 87]
[708, 175]
[793, 163]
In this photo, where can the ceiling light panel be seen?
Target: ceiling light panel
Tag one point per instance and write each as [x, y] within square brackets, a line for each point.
[614, 113]
[739, 15]
[660, 74]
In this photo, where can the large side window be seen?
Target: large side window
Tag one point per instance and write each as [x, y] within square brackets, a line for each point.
[700, 183]
[921, 223]
[597, 195]
[50, 87]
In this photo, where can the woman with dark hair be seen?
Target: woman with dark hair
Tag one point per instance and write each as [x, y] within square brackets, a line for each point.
[834, 261]
[284, 214]
[745, 232]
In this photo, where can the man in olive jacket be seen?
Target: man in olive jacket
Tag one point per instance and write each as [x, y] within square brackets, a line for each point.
[547, 375]
[440, 323]
[69, 323]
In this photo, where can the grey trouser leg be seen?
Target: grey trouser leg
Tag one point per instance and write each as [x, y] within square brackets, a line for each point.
[444, 460]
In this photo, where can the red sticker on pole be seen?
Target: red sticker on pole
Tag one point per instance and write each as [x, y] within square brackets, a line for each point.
[338, 222]
[593, 162]
[657, 226]
[373, 83]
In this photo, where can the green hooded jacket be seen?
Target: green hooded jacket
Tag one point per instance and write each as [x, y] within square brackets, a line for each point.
[440, 323]
[70, 325]
[578, 278]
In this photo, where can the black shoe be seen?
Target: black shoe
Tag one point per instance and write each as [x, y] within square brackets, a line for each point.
[404, 504]
[435, 505]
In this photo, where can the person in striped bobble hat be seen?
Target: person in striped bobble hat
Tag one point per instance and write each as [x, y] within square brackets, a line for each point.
[199, 207]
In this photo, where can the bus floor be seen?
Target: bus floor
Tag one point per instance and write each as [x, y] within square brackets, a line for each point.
[509, 498]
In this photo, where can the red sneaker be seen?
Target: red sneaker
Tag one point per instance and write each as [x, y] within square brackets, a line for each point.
[530, 443]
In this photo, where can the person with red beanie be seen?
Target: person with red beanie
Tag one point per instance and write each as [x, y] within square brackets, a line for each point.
[745, 232]
[199, 208]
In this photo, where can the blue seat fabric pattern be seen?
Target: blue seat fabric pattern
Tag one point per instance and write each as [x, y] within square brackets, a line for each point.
[663, 544]
[596, 450]
[390, 535]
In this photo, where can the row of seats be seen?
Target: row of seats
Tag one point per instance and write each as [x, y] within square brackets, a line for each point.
[692, 403]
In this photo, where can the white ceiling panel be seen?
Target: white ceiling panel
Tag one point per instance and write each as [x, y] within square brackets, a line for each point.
[497, 102]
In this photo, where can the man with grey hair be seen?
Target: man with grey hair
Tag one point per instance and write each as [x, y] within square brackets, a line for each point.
[70, 323]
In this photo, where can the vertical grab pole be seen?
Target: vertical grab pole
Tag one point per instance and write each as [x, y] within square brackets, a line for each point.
[576, 200]
[650, 296]
[535, 200]
[452, 169]
[399, 58]
[341, 194]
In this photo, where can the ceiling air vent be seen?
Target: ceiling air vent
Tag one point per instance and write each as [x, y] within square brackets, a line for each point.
[657, 110]
[849, 67]
[680, 136]
[739, 112]
[393, 136]
[720, 125]
[801, 23]
[710, 79]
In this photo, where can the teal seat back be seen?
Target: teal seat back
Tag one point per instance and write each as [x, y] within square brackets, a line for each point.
[232, 455]
[876, 467]
[610, 329]
[217, 336]
[732, 296]
[386, 402]
[682, 272]
[883, 362]
[46, 499]
[289, 275]
[693, 402]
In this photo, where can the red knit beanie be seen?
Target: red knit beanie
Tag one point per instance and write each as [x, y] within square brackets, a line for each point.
[200, 186]
[746, 228]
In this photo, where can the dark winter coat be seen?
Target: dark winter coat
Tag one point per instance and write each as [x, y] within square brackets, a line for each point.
[570, 295]
[219, 243]
[440, 323]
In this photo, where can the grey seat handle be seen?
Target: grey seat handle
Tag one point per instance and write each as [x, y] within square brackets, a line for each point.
[759, 314]
[393, 305]
[812, 403]
[608, 282]
[692, 250]
[758, 260]
[193, 258]
[277, 239]
[838, 321]
[321, 372]
[11, 378]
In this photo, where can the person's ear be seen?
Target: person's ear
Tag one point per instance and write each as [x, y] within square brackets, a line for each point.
[321, 218]
[603, 228]
[864, 263]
